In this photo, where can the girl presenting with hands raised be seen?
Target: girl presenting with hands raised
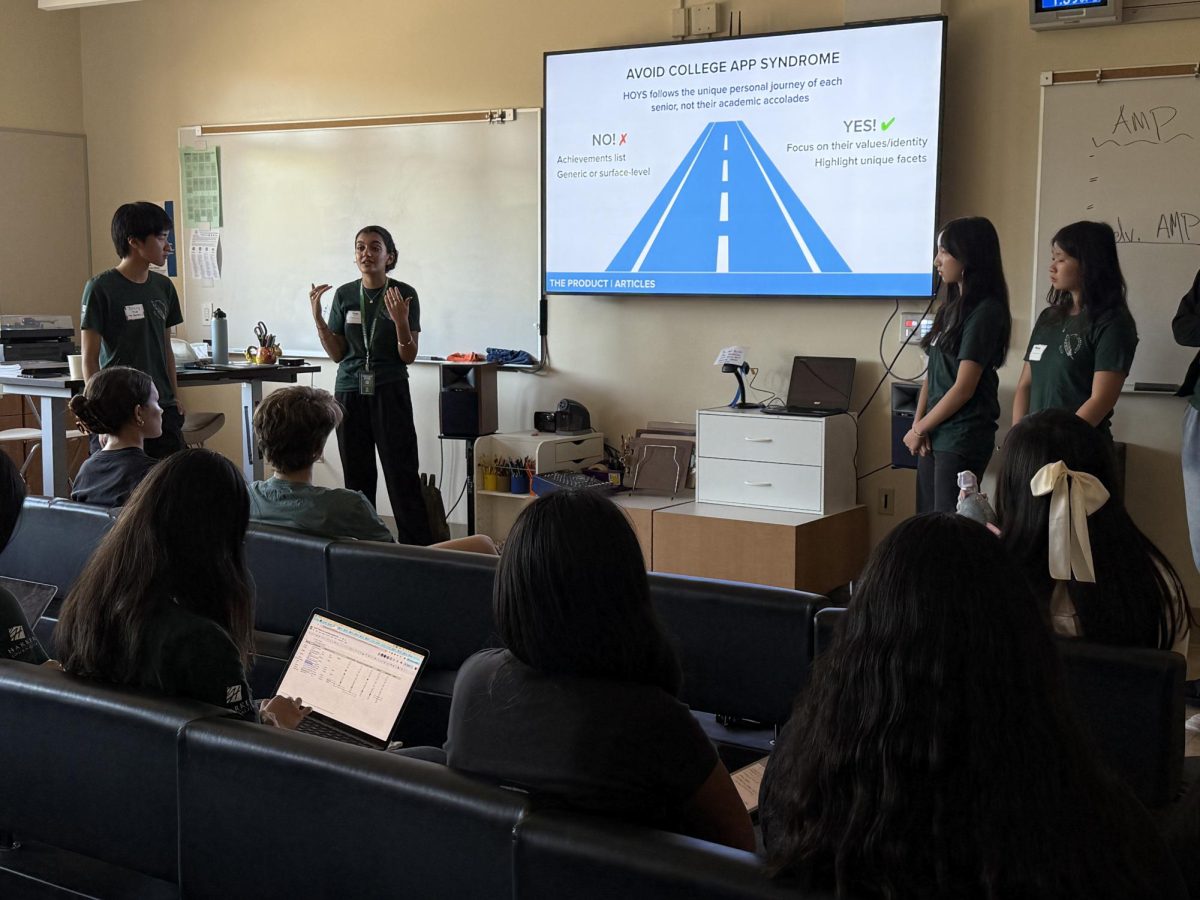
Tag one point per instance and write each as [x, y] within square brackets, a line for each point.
[374, 323]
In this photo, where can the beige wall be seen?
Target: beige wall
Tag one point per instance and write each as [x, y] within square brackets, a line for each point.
[190, 61]
[40, 76]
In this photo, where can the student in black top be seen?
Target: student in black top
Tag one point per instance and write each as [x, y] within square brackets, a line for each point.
[1123, 592]
[17, 640]
[372, 333]
[955, 426]
[580, 709]
[121, 403]
[1082, 345]
[165, 601]
[935, 753]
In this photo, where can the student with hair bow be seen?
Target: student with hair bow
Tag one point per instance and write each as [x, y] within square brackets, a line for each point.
[1098, 577]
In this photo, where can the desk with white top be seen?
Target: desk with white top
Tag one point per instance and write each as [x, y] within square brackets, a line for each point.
[53, 393]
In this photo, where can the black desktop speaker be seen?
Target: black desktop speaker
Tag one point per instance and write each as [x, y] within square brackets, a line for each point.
[904, 408]
[468, 400]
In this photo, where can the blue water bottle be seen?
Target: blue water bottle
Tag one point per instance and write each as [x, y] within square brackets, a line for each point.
[220, 338]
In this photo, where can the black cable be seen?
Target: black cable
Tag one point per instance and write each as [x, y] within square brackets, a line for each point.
[459, 500]
[887, 369]
[873, 471]
[750, 387]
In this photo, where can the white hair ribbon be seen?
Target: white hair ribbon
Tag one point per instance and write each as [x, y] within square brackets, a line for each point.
[1073, 497]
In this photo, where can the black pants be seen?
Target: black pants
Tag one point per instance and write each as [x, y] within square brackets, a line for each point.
[384, 420]
[937, 479]
[161, 447]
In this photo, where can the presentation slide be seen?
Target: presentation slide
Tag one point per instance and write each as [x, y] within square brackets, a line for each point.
[800, 164]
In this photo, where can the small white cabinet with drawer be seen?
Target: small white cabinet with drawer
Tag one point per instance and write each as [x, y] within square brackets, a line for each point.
[747, 458]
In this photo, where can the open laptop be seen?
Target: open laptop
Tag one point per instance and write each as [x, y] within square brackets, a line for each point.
[820, 386]
[33, 596]
[356, 679]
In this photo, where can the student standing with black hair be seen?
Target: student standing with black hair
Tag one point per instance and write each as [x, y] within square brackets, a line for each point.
[954, 429]
[372, 332]
[1082, 346]
[129, 311]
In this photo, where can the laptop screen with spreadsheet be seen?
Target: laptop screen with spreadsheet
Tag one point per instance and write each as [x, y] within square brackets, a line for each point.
[351, 675]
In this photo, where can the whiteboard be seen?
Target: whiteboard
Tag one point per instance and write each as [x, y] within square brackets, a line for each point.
[1127, 152]
[461, 199]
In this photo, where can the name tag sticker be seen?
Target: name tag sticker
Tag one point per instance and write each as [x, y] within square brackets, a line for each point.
[134, 311]
[1036, 351]
[354, 317]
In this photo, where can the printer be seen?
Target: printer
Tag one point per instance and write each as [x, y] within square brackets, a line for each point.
[31, 337]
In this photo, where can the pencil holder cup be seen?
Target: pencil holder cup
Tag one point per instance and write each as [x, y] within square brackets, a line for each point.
[503, 482]
[490, 482]
[520, 483]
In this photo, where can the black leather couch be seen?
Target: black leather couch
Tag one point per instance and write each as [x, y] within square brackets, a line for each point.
[91, 770]
[746, 649]
[53, 540]
[113, 793]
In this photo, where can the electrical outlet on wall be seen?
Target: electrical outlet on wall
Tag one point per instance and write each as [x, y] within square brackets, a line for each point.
[913, 321]
[206, 310]
[886, 505]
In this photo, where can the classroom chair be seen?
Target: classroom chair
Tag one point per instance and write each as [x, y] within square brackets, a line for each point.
[199, 427]
[34, 435]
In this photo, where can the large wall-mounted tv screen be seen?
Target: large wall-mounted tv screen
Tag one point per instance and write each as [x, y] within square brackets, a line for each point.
[800, 165]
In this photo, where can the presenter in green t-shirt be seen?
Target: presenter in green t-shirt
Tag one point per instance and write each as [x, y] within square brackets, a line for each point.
[372, 332]
[1082, 345]
[954, 429]
[128, 314]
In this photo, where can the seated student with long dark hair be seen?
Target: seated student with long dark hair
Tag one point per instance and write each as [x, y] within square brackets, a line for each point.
[1092, 570]
[292, 426]
[580, 708]
[935, 753]
[165, 601]
[17, 640]
[121, 403]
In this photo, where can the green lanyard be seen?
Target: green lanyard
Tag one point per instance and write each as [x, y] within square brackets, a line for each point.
[368, 333]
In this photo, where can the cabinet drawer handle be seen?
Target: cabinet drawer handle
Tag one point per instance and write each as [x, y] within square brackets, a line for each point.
[757, 483]
[760, 440]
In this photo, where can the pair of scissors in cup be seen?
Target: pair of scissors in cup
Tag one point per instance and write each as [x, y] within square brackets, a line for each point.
[260, 332]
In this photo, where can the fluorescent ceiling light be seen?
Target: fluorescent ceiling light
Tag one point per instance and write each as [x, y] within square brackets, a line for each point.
[75, 4]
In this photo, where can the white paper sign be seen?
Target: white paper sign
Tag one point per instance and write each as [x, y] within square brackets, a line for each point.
[202, 254]
[732, 356]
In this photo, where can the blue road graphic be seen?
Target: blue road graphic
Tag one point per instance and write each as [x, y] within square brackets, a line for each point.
[727, 208]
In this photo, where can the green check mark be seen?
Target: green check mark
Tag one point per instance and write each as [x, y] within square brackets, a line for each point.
[888, 124]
